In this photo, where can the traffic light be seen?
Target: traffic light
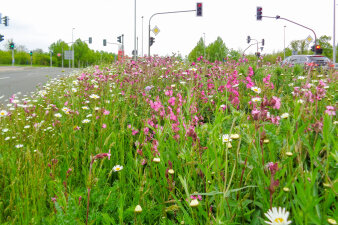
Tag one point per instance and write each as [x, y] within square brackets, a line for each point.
[199, 9]
[104, 42]
[6, 21]
[11, 45]
[119, 39]
[1, 37]
[90, 40]
[30, 53]
[151, 41]
[263, 42]
[313, 48]
[259, 13]
[318, 49]
[248, 39]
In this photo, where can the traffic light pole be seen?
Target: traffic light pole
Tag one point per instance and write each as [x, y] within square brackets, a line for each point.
[281, 18]
[194, 10]
[13, 57]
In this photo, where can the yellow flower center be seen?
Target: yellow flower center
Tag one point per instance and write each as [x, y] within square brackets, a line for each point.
[279, 220]
[2, 114]
[117, 169]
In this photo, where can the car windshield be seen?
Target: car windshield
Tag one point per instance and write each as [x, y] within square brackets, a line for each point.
[318, 58]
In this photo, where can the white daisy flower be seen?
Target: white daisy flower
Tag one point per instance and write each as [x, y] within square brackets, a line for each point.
[276, 217]
[284, 115]
[256, 89]
[117, 168]
[27, 126]
[74, 90]
[58, 115]
[94, 96]
[65, 109]
[85, 107]
[5, 130]
[257, 99]
[3, 113]
[85, 121]
[19, 146]
[226, 138]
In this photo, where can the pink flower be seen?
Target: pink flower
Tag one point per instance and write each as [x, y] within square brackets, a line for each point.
[277, 102]
[171, 101]
[104, 126]
[330, 110]
[106, 112]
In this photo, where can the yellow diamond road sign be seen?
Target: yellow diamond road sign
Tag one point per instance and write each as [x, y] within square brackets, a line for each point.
[309, 39]
[156, 30]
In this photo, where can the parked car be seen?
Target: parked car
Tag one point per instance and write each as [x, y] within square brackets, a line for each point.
[309, 60]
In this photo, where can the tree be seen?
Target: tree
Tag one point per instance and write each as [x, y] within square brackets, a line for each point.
[295, 45]
[58, 47]
[303, 47]
[197, 51]
[217, 50]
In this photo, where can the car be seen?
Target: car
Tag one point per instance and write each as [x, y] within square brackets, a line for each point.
[309, 61]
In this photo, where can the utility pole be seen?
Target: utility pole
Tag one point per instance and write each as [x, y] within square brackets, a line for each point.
[142, 36]
[72, 48]
[334, 31]
[135, 53]
[284, 41]
[13, 60]
[62, 57]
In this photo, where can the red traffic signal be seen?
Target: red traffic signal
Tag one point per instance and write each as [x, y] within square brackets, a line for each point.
[259, 13]
[318, 49]
[199, 9]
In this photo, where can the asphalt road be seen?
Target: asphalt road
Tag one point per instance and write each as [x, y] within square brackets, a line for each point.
[26, 79]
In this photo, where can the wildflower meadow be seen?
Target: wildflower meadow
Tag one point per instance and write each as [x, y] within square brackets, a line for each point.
[163, 141]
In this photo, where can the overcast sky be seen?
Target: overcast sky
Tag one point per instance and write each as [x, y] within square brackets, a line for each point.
[38, 23]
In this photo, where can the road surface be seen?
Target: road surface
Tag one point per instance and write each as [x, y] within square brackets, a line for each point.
[24, 80]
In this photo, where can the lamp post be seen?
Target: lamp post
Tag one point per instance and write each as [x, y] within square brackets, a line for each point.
[134, 52]
[72, 48]
[142, 36]
[334, 31]
[284, 41]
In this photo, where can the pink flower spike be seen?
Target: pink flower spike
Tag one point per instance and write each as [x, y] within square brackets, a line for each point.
[104, 126]
[109, 155]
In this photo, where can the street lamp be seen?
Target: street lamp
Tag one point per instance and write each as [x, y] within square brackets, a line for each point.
[334, 31]
[142, 36]
[134, 52]
[284, 41]
[72, 48]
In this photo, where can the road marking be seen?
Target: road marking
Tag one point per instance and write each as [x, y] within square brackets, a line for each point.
[1, 78]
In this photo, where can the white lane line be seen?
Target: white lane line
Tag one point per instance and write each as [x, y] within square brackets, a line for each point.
[2, 78]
